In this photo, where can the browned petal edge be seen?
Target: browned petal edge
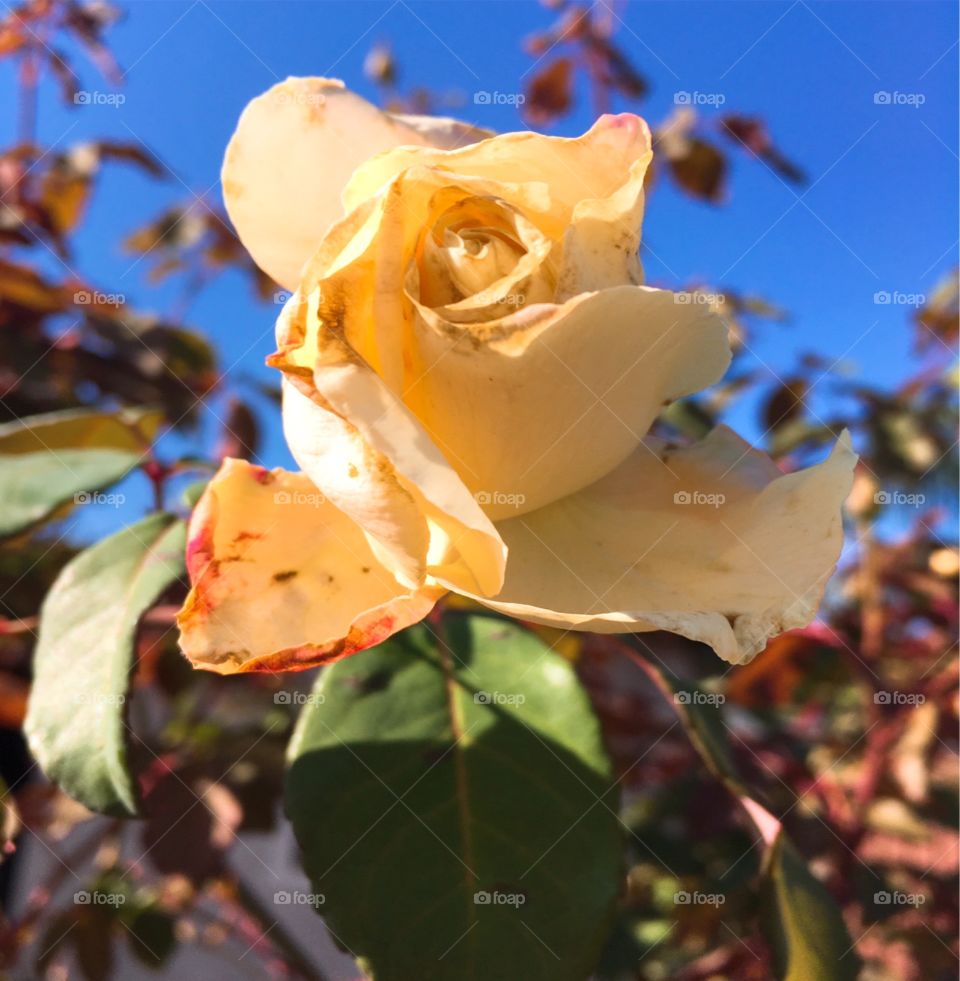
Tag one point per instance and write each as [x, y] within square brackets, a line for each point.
[371, 627]
[367, 632]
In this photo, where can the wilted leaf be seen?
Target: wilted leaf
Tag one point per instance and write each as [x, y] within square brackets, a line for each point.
[240, 437]
[784, 403]
[751, 133]
[696, 165]
[700, 169]
[910, 765]
[776, 678]
[133, 153]
[87, 22]
[66, 185]
[939, 317]
[13, 697]
[380, 66]
[190, 824]
[176, 228]
[550, 92]
[64, 192]
[25, 288]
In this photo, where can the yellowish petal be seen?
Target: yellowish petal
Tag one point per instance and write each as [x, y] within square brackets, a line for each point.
[527, 407]
[540, 404]
[282, 580]
[364, 450]
[442, 131]
[293, 152]
[710, 541]
[594, 183]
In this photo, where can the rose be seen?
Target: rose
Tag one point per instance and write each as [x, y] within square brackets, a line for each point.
[462, 442]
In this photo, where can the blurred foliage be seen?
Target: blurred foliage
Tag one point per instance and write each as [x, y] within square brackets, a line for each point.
[823, 773]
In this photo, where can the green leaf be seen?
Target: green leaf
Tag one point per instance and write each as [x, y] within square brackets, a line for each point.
[128, 429]
[700, 716]
[689, 417]
[34, 485]
[456, 809]
[152, 935]
[57, 458]
[804, 924]
[75, 718]
[193, 492]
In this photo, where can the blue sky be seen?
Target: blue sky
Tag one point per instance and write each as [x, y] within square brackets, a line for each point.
[879, 214]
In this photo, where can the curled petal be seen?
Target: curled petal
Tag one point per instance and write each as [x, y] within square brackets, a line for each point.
[294, 149]
[443, 132]
[542, 403]
[710, 541]
[594, 183]
[370, 456]
[591, 167]
[527, 407]
[282, 580]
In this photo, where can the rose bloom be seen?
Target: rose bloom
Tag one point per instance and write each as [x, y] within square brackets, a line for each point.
[471, 364]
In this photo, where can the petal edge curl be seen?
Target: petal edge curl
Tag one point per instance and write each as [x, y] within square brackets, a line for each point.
[282, 580]
[710, 541]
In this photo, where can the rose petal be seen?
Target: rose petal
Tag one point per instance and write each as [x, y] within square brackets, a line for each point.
[442, 131]
[355, 281]
[511, 268]
[370, 456]
[282, 580]
[595, 184]
[709, 541]
[540, 404]
[294, 149]
[527, 408]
